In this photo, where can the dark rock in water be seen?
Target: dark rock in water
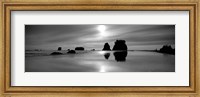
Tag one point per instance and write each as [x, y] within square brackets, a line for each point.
[59, 48]
[107, 55]
[79, 48]
[120, 56]
[93, 50]
[56, 53]
[106, 47]
[120, 45]
[71, 52]
[68, 49]
[167, 49]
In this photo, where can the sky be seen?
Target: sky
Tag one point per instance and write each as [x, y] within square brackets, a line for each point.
[137, 37]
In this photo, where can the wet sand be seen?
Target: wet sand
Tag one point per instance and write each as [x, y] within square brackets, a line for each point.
[99, 61]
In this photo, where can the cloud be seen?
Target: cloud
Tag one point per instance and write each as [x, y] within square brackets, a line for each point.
[69, 36]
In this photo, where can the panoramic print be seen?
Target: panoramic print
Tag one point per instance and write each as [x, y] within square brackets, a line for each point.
[100, 48]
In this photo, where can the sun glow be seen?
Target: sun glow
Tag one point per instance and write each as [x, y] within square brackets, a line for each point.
[102, 30]
[102, 52]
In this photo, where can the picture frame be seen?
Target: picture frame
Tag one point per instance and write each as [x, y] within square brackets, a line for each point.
[85, 5]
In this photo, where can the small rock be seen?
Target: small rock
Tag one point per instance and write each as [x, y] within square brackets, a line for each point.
[56, 53]
[71, 52]
[59, 48]
[79, 48]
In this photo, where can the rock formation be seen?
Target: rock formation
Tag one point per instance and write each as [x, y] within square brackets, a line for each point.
[79, 48]
[71, 52]
[120, 45]
[56, 53]
[59, 48]
[167, 49]
[106, 47]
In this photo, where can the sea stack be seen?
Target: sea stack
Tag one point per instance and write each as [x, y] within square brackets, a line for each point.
[120, 45]
[59, 48]
[106, 47]
[167, 49]
[56, 53]
[71, 52]
[79, 48]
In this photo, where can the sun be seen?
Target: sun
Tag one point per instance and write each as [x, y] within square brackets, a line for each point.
[102, 30]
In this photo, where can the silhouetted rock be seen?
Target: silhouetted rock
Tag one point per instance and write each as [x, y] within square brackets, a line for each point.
[106, 47]
[56, 53]
[71, 52]
[120, 56]
[107, 55]
[120, 45]
[79, 48]
[167, 49]
[68, 49]
[59, 48]
[93, 50]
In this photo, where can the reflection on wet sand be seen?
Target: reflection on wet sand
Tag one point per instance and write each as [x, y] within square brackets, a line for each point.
[102, 61]
[120, 56]
[107, 55]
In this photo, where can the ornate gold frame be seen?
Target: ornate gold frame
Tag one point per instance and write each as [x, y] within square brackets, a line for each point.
[191, 6]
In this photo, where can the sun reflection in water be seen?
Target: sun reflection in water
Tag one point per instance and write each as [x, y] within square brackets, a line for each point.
[99, 65]
[102, 52]
[102, 69]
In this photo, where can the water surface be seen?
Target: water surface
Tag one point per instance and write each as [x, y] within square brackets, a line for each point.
[99, 61]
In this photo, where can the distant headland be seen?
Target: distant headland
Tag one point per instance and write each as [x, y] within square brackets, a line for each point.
[167, 49]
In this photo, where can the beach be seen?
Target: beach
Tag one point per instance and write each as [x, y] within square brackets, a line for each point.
[99, 61]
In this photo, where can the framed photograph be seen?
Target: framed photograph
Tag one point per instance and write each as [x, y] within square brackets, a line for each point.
[99, 48]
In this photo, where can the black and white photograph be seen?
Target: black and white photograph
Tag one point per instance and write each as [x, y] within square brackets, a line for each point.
[100, 48]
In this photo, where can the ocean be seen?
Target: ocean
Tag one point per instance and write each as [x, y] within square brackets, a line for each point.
[99, 61]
